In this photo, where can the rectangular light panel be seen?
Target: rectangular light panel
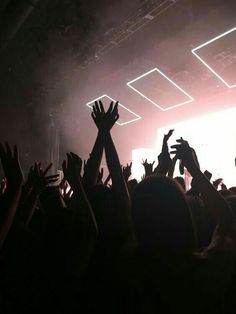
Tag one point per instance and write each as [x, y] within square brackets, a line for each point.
[155, 103]
[197, 49]
[103, 97]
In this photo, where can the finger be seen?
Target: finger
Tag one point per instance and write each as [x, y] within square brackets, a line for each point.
[54, 176]
[93, 116]
[97, 107]
[8, 150]
[101, 106]
[50, 181]
[36, 169]
[174, 152]
[115, 109]
[176, 146]
[116, 117]
[75, 156]
[93, 109]
[182, 141]
[64, 166]
[15, 152]
[40, 168]
[69, 192]
[47, 169]
[2, 151]
[110, 108]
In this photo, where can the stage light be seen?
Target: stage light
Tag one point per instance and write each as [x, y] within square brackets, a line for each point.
[194, 51]
[190, 98]
[137, 117]
[213, 137]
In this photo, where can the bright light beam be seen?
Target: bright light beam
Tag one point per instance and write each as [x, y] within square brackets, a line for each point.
[90, 105]
[207, 65]
[213, 137]
[191, 99]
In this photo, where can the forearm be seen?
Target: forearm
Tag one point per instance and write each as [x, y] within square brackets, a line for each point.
[84, 208]
[215, 203]
[113, 162]
[114, 166]
[8, 210]
[27, 208]
[172, 168]
[91, 174]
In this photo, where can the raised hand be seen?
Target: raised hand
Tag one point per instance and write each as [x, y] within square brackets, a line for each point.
[223, 186]
[98, 113]
[127, 171]
[105, 120]
[217, 182]
[148, 167]
[11, 165]
[72, 169]
[38, 179]
[186, 154]
[168, 135]
[164, 160]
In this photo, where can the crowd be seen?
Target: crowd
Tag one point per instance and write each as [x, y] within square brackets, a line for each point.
[86, 246]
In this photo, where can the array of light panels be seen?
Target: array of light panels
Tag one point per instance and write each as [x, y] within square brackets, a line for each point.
[196, 52]
[158, 73]
[104, 98]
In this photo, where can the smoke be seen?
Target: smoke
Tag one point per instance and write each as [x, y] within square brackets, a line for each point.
[60, 83]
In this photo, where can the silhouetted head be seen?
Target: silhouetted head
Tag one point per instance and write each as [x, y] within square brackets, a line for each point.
[162, 219]
[105, 211]
[131, 184]
[233, 189]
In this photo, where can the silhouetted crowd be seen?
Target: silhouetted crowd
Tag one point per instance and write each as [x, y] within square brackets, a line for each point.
[89, 245]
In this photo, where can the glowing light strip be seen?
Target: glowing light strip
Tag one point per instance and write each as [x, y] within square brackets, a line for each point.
[121, 124]
[207, 65]
[191, 99]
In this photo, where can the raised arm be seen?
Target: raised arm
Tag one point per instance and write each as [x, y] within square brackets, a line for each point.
[105, 121]
[215, 203]
[164, 160]
[72, 173]
[172, 167]
[10, 199]
[91, 172]
[148, 167]
[36, 183]
[127, 171]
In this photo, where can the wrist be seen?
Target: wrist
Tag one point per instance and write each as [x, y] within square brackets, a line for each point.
[194, 171]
